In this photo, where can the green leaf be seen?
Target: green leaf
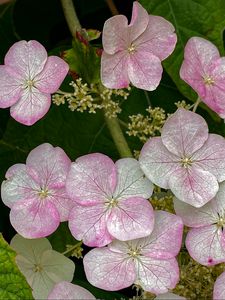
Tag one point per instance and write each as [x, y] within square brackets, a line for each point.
[13, 284]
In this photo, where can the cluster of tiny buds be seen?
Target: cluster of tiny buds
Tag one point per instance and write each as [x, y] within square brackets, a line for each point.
[183, 104]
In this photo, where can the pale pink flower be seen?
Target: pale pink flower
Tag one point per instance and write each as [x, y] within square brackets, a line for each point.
[204, 70]
[185, 159]
[35, 192]
[205, 239]
[27, 80]
[68, 291]
[133, 53]
[110, 200]
[149, 262]
[219, 288]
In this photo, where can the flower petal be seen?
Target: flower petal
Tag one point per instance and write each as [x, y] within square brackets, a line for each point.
[157, 163]
[133, 218]
[68, 291]
[92, 179]
[219, 288]
[114, 70]
[169, 296]
[88, 223]
[131, 180]
[109, 270]
[184, 132]
[144, 70]
[214, 98]
[159, 37]
[204, 245]
[53, 74]
[31, 107]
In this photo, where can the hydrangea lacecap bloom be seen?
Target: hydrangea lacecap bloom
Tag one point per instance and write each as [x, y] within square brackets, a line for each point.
[35, 192]
[149, 262]
[27, 80]
[186, 158]
[110, 200]
[133, 53]
[204, 70]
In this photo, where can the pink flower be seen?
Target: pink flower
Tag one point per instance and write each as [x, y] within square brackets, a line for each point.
[219, 288]
[28, 78]
[133, 53]
[185, 159]
[149, 262]
[204, 70]
[110, 200]
[205, 240]
[68, 291]
[35, 192]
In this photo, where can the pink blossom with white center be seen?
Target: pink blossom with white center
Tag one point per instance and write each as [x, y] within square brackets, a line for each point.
[35, 192]
[204, 70]
[133, 53]
[149, 262]
[110, 200]
[186, 158]
[27, 80]
[219, 288]
[205, 239]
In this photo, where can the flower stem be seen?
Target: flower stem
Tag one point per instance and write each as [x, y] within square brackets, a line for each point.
[72, 248]
[71, 16]
[196, 104]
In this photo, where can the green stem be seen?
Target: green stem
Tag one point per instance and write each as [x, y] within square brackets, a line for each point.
[72, 248]
[71, 16]
[196, 104]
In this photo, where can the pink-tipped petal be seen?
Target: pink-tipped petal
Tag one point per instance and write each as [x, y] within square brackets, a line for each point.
[88, 223]
[144, 70]
[31, 107]
[53, 74]
[92, 179]
[109, 270]
[157, 163]
[204, 245]
[219, 288]
[157, 276]
[159, 37]
[133, 218]
[184, 132]
[114, 70]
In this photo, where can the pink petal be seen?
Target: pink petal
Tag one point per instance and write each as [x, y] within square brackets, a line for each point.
[108, 270]
[34, 218]
[159, 37]
[184, 132]
[68, 291]
[131, 180]
[165, 240]
[88, 223]
[204, 245]
[219, 288]
[157, 163]
[211, 156]
[193, 186]
[214, 98]
[26, 58]
[10, 89]
[114, 70]
[92, 179]
[144, 70]
[50, 165]
[53, 74]
[133, 218]
[157, 276]
[31, 107]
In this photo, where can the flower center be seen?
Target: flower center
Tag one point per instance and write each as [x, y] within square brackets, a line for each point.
[208, 80]
[43, 193]
[37, 268]
[29, 84]
[221, 222]
[112, 203]
[185, 162]
[134, 252]
[131, 49]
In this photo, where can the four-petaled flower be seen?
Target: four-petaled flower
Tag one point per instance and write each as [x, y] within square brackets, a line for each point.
[27, 80]
[133, 53]
[204, 70]
[149, 262]
[110, 200]
[35, 192]
[185, 159]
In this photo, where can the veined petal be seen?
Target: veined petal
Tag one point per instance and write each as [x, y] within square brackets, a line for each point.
[53, 74]
[157, 163]
[31, 107]
[109, 270]
[114, 70]
[219, 288]
[144, 70]
[214, 98]
[184, 132]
